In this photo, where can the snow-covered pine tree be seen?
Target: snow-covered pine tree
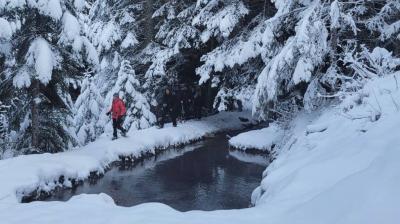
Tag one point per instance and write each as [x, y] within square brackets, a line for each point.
[310, 51]
[138, 109]
[174, 33]
[218, 18]
[119, 30]
[356, 29]
[384, 22]
[46, 49]
[184, 31]
[4, 134]
[112, 27]
[88, 106]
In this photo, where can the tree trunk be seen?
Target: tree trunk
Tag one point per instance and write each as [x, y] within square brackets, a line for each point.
[334, 43]
[149, 29]
[35, 114]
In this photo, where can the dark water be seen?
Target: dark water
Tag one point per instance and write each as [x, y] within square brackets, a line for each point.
[204, 176]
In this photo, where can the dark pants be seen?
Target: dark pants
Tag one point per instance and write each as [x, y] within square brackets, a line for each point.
[187, 110]
[164, 114]
[117, 124]
[197, 108]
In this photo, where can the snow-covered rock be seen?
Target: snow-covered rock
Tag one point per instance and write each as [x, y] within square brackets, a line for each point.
[262, 139]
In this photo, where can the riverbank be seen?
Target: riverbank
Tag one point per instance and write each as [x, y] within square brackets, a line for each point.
[202, 176]
[45, 172]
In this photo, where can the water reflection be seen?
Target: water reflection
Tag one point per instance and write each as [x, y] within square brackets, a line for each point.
[203, 176]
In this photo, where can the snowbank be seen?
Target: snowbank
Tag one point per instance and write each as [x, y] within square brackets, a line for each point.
[263, 139]
[341, 166]
[24, 174]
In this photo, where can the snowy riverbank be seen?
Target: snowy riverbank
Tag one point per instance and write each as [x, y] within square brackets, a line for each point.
[341, 165]
[347, 172]
[42, 172]
[262, 140]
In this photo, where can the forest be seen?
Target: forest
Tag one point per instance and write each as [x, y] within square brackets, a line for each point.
[62, 60]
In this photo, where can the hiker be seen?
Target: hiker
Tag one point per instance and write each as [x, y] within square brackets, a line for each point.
[198, 103]
[169, 107]
[118, 113]
[186, 102]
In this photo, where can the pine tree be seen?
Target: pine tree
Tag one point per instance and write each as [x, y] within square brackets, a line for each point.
[139, 115]
[47, 52]
[310, 52]
[87, 110]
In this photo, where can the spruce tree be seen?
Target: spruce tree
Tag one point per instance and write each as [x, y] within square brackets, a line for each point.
[127, 86]
[47, 52]
[88, 106]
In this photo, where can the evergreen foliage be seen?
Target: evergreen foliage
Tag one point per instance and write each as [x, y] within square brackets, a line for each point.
[62, 60]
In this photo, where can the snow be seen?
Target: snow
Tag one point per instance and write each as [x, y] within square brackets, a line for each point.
[303, 71]
[22, 79]
[11, 4]
[347, 174]
[104, 35]
[50, 8]
[79, 4]
[129, 41]
[221, 22]
[316, 128]
[342, 175]
[91, 52]
[5, 29]
[335, 14]
[262, 139]
[306, 50]
[41, 57]
[71, 28]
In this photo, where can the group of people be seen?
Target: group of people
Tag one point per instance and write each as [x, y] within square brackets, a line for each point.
[186, 103]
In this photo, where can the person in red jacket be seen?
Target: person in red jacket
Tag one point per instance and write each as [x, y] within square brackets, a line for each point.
[118, 113]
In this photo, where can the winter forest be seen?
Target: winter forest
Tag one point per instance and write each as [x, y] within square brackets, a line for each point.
[62, 62]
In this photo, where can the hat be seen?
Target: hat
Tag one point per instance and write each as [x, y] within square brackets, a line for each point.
[115, 94]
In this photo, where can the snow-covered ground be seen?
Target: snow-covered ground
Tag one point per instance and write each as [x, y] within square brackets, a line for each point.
[262, 139]
[346, 172]
[341, 166]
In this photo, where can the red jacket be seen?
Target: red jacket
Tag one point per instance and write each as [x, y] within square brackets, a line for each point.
[118, 108]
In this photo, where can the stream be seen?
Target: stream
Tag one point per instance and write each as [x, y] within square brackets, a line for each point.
[202, 176]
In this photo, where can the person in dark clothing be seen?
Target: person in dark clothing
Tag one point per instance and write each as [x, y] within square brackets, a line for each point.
[169, 107]
[198, 103]
[118, 113]
[186, 101]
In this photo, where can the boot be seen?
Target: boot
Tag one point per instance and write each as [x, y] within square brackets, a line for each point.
[114, 137]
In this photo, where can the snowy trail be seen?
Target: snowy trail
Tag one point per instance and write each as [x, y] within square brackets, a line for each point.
[41, 171]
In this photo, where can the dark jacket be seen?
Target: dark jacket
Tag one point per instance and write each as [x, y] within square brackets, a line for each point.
[170, 102]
